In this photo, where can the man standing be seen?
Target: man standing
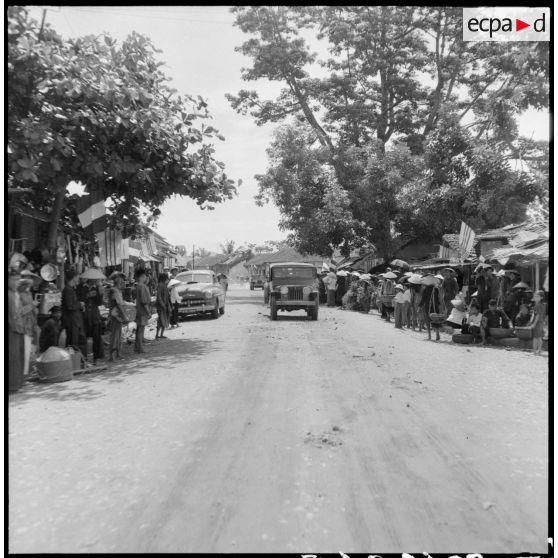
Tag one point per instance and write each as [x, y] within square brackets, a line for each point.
[330, 280]
[72, 314]
[143, 309]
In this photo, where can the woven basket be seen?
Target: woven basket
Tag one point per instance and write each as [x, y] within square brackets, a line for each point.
[50, 372]
[437, 318]
[463, 338]
[500, 332]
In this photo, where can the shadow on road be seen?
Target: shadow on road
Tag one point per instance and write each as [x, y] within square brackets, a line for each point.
[161, 354]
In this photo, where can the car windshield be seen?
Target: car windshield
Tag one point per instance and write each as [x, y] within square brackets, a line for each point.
[291, 272]
[190, 278]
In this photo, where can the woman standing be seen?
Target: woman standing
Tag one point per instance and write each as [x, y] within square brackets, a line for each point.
[15, 335]
[117, 318]
[143, 309]
[537, 322]
[29, 313]
[163, 306]
[93, 298]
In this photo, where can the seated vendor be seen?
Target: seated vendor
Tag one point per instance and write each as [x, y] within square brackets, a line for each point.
[458, 314]
[50, 332]
[492, 318]
[524, 316]
[472, 323]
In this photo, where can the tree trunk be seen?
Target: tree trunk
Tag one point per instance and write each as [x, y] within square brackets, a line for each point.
[52, 235]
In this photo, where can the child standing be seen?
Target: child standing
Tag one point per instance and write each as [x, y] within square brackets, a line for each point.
[537, 321]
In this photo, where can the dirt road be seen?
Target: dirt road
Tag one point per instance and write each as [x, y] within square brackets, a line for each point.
[245, 435]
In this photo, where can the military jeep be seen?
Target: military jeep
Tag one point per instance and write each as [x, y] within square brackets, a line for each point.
[293, 286]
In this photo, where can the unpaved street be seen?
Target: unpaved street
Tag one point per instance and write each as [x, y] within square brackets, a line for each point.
[243, 435]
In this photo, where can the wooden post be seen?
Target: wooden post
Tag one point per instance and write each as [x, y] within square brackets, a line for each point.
[537, 276]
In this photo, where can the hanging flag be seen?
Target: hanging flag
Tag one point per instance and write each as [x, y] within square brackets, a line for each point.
[466, 239]
[92, 213]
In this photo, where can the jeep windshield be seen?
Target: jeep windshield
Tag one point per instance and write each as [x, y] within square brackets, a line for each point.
[191, 278]
[293, 275]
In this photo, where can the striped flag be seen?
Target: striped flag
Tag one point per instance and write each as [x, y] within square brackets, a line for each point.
[92, 213]
[466, 238]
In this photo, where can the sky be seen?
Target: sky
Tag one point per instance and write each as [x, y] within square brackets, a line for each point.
[198, 45]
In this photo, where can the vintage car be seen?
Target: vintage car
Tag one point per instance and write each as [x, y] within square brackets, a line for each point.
[257, 281]
[200, 292]
[293, 286]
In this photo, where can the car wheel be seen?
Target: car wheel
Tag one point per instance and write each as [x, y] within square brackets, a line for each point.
[314, 312]
[251, 286]
[273, 311]
[215, 311]
[222, 310]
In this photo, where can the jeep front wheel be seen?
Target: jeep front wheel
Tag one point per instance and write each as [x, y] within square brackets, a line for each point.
[314, 312]
[215, 311]
[273, 311]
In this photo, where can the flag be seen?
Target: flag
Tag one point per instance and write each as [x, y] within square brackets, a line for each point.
[110, 247]
[91, 213]
[466, 238]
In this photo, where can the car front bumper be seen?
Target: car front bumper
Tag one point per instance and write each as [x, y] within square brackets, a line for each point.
[196, 309]
[299, 303]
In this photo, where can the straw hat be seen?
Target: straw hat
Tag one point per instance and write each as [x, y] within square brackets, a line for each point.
[438, 276]
[415, 279]
[398, 287]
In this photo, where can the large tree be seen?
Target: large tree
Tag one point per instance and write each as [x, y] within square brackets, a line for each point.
[393, 73]
[103, 114]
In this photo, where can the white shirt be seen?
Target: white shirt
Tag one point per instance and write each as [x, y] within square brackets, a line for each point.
[399, 297]
[174, 295]
[456, 316]
[474, 320]
[407, 295]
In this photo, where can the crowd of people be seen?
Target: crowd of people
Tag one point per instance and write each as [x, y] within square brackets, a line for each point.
[88, 308]
[436, 301]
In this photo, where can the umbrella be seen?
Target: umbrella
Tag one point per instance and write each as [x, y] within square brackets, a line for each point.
[415, 279]
[483, 266]
[48, 272]
[520, 285]
[448, 269]
[173, 282]
[342, 273]
[390, 275]
[438, 276]
[429, 280]
[366, 277]
[400, 263]
[92, 273]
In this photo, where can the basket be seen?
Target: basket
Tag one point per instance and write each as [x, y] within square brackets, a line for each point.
[437, 318]
[524, 332]
[500, 332]
[387, 300]
[76, 358]
[462, 338]
[60, 371]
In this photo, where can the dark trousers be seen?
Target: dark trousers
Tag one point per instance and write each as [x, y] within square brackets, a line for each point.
[15, 360]
[174, 314]
[140, 332]
[94, 331]
[115, 335]
[75, 337]
[331, 297]
[399, 314]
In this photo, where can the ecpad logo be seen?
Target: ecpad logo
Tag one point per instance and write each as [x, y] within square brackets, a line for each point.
[506, 24]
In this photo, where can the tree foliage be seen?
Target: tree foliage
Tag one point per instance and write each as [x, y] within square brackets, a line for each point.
[103, 114]
[394, 76]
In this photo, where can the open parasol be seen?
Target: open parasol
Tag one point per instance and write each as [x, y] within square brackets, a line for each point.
[390, 275]
[521, 285]
[429, 280]
[483, 266]
[415, 279]
[173, 282]
[93, 274]
[400, 263]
